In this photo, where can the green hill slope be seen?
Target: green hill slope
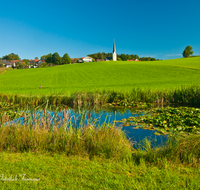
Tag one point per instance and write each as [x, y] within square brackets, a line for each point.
[102, 76]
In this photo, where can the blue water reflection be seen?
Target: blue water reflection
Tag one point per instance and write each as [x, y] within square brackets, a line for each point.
[51, 118]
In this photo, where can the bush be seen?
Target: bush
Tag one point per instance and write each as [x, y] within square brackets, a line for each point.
[1, 65]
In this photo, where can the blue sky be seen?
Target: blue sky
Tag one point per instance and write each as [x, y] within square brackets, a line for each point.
[147, 28]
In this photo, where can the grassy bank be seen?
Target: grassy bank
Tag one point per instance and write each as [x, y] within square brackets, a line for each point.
[102, 76]
[174, 166]
[38, 156]
[57, 171]
[3, 70]
[188, 96]
[103, 141]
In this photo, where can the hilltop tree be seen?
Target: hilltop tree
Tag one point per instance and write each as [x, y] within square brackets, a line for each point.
[66, 59]
[188, 51]
[56, 59]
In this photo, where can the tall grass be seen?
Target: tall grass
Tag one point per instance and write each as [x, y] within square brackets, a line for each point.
[179, 149]
[189, 96]
[86, 140]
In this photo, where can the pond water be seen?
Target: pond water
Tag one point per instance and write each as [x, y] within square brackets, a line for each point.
[96, 118]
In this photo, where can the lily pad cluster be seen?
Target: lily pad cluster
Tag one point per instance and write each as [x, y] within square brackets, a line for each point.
[130, 104]
[168, 120]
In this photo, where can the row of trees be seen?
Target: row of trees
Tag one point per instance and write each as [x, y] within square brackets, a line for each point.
[55, 59]
[120, 57]
[103, 55]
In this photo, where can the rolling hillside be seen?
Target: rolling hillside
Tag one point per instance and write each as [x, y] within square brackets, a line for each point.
[102, 76]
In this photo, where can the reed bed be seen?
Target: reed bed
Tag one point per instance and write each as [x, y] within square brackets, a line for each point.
[86, 140]
[177, 149]
[187, 96]
[74, 136]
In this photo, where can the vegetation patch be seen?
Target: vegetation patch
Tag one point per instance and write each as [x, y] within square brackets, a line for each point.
[137, 97]
[119, 76]
[148, 169]
[102, 141]
[168, 120]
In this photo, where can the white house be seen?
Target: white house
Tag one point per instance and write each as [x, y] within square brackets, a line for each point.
[8, 64]
[87, 59]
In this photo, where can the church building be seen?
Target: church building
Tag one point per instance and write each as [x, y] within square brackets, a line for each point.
[114, 56]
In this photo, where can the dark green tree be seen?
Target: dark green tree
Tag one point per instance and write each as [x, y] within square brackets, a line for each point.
[19, 65]
[1, 64]
[49, 58]
[44, 57]
[6, 57]
[56, 59]
[187, 51]
[11, 56]
[44, 64]
[26, 61]
[66, 59]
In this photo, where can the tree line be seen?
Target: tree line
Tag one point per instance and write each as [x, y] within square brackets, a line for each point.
[50, 59]
[10, 57]
[55, 59]
[120, 57]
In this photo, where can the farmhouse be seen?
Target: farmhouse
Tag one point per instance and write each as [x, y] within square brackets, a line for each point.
[100, 60]
[87, 59]
[133, 60]
[8, 64]
[74, 60]
[36, 61]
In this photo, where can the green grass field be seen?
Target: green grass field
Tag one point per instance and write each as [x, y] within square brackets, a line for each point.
[118, 76]
[45, 171]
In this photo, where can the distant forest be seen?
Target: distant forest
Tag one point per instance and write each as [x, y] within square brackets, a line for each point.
[123, 57]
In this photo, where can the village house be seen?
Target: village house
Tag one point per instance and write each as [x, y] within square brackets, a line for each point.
[133, 60]
[87, 59]
[100, 60]
[8, 64]
[11, 63]
[74, 60]
[33, 63]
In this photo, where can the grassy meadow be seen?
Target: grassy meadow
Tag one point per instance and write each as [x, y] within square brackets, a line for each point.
[94, 158]
[118, 76]
[39, 156]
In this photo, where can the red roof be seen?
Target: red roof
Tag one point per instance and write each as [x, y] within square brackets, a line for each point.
[13, 61]
[35, 60]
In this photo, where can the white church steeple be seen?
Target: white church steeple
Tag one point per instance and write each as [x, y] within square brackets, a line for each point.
[114, 53]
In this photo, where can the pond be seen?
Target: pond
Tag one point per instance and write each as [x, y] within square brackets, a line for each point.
[97, 118]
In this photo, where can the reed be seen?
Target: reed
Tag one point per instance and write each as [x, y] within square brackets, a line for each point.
[177, 149]
[187, 96]
[86, 140]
